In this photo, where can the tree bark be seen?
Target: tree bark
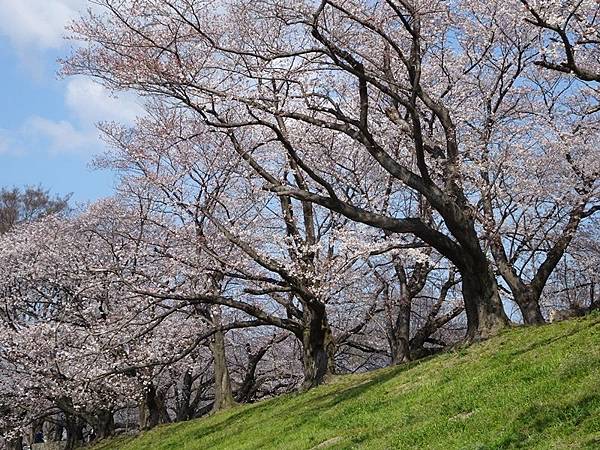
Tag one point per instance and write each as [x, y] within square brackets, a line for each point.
[483, 306]
[15, 443]
[58, 432]
[400, 336]
[526, 296]
[152, 410]
[74, 426]
[318, 347]
[223, 393]
[249, 386]
[104, 424]
[184, 396]
[53, 429]
[594, 302]
[528, 301]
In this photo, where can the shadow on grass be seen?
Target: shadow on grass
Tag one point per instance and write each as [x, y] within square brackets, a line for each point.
[109, 443]
[298, 410]
[555, 338]
[333, 398]
[529, 427]
[305, 408]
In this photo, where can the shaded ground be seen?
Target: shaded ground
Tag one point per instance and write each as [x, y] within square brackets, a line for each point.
[530, 388]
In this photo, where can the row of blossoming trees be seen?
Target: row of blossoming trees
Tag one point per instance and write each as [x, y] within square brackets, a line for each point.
[317, 187]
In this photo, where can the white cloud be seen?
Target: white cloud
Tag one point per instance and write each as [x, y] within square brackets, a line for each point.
[59, 136]
[35, 29]
[39, 134]
[6, 143]
[37, 24]
[88, 103]
[93, 103]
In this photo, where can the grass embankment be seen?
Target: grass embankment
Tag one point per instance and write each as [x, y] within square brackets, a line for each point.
[530, 387]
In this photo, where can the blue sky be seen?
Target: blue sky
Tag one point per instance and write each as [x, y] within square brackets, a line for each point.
[47, 124]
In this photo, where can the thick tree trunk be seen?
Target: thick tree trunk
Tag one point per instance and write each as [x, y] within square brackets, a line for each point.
[74, 426]
[223, 392]
[400, 334]
[152, 411]
[485, 312]
[318, 347]
[15, 443]
[104, 424]
[529, 304]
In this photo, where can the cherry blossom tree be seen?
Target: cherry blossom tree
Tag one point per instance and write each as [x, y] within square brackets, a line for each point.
[326, 182]
[269, 257]
[257, 80]
[76, 340]
[568, 36]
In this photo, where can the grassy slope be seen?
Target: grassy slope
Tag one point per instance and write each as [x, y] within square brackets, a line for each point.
[531, 387]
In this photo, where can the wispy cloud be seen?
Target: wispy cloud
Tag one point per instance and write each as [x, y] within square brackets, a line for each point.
[58, 136]
[93, 103]
[37, 24]
[88, 104]
[35, 30]
[8, 144]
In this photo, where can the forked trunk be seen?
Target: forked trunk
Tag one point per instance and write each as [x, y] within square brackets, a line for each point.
[249, 385]
[529, 305]
[318, 347]
[152, 410]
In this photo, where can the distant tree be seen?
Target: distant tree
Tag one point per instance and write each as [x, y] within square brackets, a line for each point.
[27, 205]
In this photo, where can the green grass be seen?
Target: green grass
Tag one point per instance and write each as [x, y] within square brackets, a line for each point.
[529, 388]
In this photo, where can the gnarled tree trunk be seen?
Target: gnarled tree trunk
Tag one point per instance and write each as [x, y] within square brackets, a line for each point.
[103, 423]
[399, 338]
[152, 410]
[318, 347]
[483, 306]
